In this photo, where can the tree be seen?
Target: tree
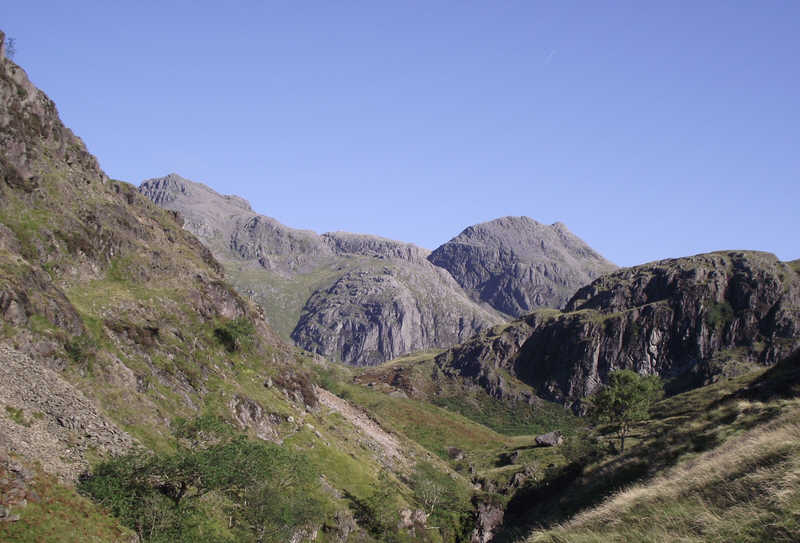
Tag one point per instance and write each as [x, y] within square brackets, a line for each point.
[625, 400]
[267, 490]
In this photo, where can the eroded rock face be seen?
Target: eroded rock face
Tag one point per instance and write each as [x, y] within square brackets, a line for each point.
[516, 264]
[688, 320]
[490, 517]
[685, 319]
[369, 316]
[356, 298]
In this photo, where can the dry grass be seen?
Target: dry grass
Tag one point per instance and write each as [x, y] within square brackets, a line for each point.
[746, 489]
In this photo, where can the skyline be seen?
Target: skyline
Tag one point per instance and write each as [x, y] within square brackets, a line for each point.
[650, 131]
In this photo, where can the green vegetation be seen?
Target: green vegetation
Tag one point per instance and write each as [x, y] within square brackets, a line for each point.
[17, 415]
[720, 314]
[446, 502]
[625, 400]
[512, 419]
[264, 491]
[81, 350]
[58, 514]
[719, 463]
[236, 334]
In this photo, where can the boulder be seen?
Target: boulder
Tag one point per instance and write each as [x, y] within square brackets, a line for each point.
[550, 439]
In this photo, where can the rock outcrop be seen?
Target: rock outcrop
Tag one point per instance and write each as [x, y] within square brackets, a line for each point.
[371, 315]
[689, 320]
[516, 264]
[356, 298]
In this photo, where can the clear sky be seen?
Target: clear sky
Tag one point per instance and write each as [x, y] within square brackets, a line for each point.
[652, 129]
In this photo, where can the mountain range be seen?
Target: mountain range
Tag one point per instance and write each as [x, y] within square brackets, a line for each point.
[177, 367]
[362, 299]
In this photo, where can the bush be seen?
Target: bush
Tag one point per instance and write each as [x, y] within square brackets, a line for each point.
[446, 502]
[82, 349]
[720, 314]
[582, 448]
[235, 335]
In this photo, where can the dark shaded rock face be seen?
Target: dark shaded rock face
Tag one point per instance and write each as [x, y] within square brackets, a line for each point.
[689, 320]
[685, 319]
[356, 298]
[516, 264]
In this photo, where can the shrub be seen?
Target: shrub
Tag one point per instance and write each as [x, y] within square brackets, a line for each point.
[720, 314]
[82, 349]
[235, 335]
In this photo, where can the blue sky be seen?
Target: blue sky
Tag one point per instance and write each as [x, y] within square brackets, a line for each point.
[652, 129]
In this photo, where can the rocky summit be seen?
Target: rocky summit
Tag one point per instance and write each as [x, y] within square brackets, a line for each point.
[516, 264]
[356, 298]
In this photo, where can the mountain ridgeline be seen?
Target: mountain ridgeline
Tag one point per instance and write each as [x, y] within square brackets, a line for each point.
[363, 299]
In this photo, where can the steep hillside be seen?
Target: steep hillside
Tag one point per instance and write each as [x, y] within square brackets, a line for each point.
[720, 463]
[355, 298]
[516, 264]
[117, 324]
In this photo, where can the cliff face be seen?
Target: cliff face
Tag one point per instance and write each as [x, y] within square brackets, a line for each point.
[516, 264]
[378, 312]
[356, 298]
[689, 320]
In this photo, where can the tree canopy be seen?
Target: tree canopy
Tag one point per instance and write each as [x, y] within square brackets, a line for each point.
[625, 400]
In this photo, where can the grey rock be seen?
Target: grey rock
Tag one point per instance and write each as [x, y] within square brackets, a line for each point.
[550, 439]
[369, 316]
[689, 320]
[490, 517]
[250, 414]
[516, 264]
[68, 426]
[355, 298]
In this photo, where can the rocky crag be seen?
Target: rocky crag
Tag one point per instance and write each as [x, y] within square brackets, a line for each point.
[516, 264]
[690, 320]
[355, 298]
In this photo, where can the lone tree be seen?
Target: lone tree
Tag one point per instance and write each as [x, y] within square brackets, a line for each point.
[625, 400]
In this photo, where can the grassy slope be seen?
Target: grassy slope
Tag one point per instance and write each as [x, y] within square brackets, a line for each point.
[419, 377]
[437, 429]
[721, 463]
[60, 515]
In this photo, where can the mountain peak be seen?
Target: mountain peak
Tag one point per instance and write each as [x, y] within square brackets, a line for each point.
[165, 190]
[517, 264]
